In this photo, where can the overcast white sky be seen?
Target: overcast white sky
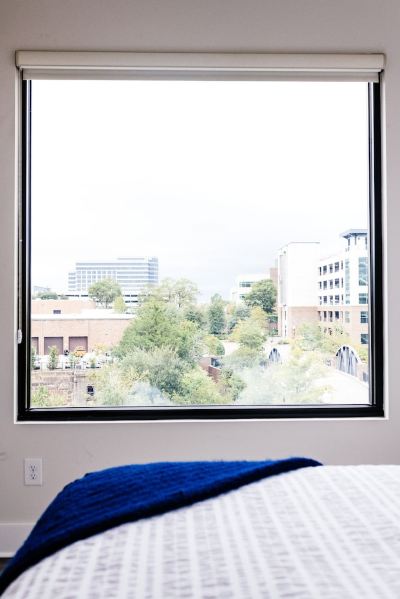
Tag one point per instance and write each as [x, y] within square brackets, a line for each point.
[210, 177]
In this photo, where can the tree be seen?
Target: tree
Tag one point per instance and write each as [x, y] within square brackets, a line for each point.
[216, 315]
[182, 293]
[262, 294]
[119, 305]
[161, 367]
[196, 315]
[214, 345]
[47, 295]
[237, 313]
[159, 325]
[197, 388]
[230, 384]
[53, 358]
[104, 292]
[248, 333]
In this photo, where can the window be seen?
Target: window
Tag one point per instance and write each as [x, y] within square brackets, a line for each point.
[364, 317]
[363, 298]
[364, 338]
[347, 317]
[363, 271]
[178, 172]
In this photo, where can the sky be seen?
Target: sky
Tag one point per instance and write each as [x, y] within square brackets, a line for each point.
[211, 177]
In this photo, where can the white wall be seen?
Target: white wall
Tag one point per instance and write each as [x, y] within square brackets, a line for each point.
[69, 450]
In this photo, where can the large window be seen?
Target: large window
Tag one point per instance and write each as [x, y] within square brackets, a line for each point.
[177, 220]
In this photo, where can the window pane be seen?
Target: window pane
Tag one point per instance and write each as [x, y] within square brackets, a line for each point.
[181, 232]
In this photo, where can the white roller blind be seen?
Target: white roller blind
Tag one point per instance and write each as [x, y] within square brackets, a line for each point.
[133, 65]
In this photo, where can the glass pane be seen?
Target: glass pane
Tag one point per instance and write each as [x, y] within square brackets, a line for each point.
[199, 243]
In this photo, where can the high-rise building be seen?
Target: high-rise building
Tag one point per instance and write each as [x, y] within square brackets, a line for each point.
[132, 274]
[343, 287]
[331, 290]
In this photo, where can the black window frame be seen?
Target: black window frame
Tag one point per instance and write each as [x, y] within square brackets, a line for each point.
[304, 411]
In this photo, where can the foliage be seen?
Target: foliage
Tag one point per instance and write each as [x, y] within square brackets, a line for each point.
[181, 293]
[42, 398]
[159, 325]
[243, 357]
[53, 358]
[111, 389]
[119, 305]
[214, 345]
[312, 338]
[161, 367]
[248, 333]
[362, 351]
[196, 315]
[262, 294]
[47, 295]
[230, 384]
[33, 358]
[72, 360]
[216, 315]
[296, 381]
[198, 389]
[237, 313]
[104, 292]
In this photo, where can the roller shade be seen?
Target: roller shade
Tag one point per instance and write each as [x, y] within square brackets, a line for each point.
[228, 66]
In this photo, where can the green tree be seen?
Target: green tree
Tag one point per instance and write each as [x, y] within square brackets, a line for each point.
[216, 315]
[161, 367]
[214, 345]
[159, 325]
[47, 295]
[104, 292]
[248, 333]
[196, 315]
[33, 358]
[197, 388]
[181, 293]
[53, 358]
[237, 313]
[311, 337]
[230, 384]
[262, 294]
[119, 305]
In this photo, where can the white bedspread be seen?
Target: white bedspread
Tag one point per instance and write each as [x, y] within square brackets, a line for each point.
[330, 532]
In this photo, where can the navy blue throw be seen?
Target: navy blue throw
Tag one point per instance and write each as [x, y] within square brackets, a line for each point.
[108, 498]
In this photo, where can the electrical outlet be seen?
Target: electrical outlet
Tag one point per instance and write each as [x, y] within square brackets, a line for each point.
[33, 473]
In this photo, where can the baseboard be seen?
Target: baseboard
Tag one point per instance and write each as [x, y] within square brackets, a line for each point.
[12, 536]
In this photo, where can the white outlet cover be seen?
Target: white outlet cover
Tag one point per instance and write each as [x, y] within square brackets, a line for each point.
[33, 471]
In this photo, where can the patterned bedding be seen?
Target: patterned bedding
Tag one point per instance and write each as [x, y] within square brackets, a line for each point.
[324, 533]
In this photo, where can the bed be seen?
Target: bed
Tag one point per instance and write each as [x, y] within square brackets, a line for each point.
[324, 532]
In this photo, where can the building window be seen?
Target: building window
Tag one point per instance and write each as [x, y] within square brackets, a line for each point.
[347, 317]
[363, 298]
[363, 271]
[364, 317]
[182, 345]
[364, 338]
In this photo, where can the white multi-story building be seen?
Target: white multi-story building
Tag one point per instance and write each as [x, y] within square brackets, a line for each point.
[132, 274]
[343, 287]
[297, 294]
[329, 290]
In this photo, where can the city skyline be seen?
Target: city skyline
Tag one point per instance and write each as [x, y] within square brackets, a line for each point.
[211, 196]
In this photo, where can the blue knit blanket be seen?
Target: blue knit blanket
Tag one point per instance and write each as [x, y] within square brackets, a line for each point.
[104, 499]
